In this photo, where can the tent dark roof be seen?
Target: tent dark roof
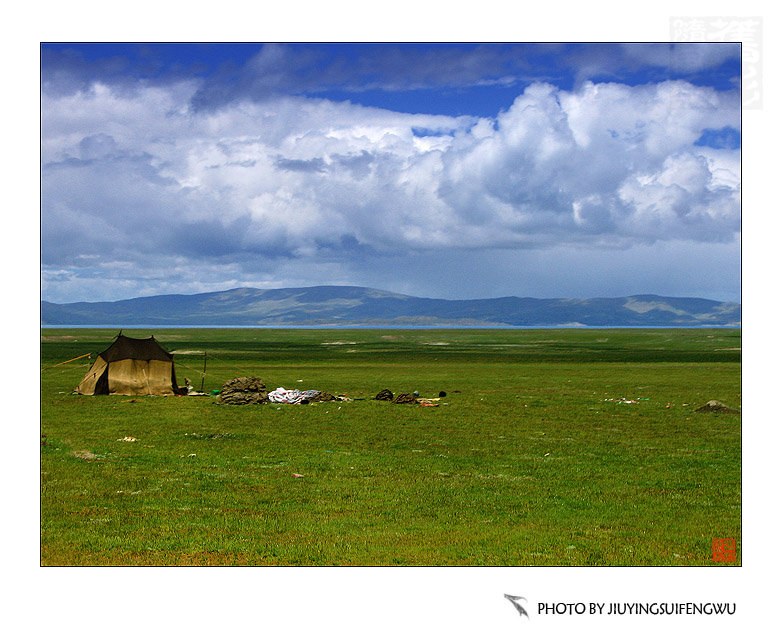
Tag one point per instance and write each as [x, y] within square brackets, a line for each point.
[124, 348]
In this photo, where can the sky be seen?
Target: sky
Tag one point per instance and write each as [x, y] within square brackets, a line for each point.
[444, 170]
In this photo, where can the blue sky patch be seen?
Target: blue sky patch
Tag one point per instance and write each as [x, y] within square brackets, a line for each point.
[726, 138]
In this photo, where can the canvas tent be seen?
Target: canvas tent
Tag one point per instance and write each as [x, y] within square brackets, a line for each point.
[131, 367]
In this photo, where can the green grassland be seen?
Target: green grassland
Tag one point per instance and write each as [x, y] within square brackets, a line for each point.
[529, 460]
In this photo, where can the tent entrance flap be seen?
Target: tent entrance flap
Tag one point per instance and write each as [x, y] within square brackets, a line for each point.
[102, 385]
[95, 381]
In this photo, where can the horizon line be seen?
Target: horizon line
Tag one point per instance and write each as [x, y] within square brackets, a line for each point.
[350, 286]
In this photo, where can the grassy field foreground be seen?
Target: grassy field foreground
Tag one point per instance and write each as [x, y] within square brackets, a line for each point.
[532, 458]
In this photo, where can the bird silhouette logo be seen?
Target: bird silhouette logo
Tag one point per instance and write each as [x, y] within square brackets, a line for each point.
[515, 601]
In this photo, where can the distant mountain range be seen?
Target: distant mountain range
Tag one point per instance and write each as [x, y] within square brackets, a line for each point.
[346, 305]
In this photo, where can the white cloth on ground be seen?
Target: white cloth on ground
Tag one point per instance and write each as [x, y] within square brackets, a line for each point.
[290, 396]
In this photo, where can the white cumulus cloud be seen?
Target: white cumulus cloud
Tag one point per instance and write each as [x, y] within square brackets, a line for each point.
[136, 179]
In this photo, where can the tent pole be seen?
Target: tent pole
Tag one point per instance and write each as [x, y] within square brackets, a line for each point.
[204, 375]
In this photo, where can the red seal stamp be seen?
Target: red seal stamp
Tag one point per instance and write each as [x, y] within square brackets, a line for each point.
[724, 549]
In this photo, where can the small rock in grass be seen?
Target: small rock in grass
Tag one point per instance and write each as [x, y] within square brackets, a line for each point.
[716, 406]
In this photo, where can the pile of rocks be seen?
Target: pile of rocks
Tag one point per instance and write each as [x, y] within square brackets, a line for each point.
[406, 398]
[243, 391]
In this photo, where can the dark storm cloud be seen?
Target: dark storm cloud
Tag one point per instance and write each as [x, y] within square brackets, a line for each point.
[70, 68]
[285, 69]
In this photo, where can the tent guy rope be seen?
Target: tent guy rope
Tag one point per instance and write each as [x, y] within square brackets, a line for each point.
[66, 362]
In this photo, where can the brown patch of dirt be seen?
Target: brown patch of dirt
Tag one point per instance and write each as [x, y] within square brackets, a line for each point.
[84, 454]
